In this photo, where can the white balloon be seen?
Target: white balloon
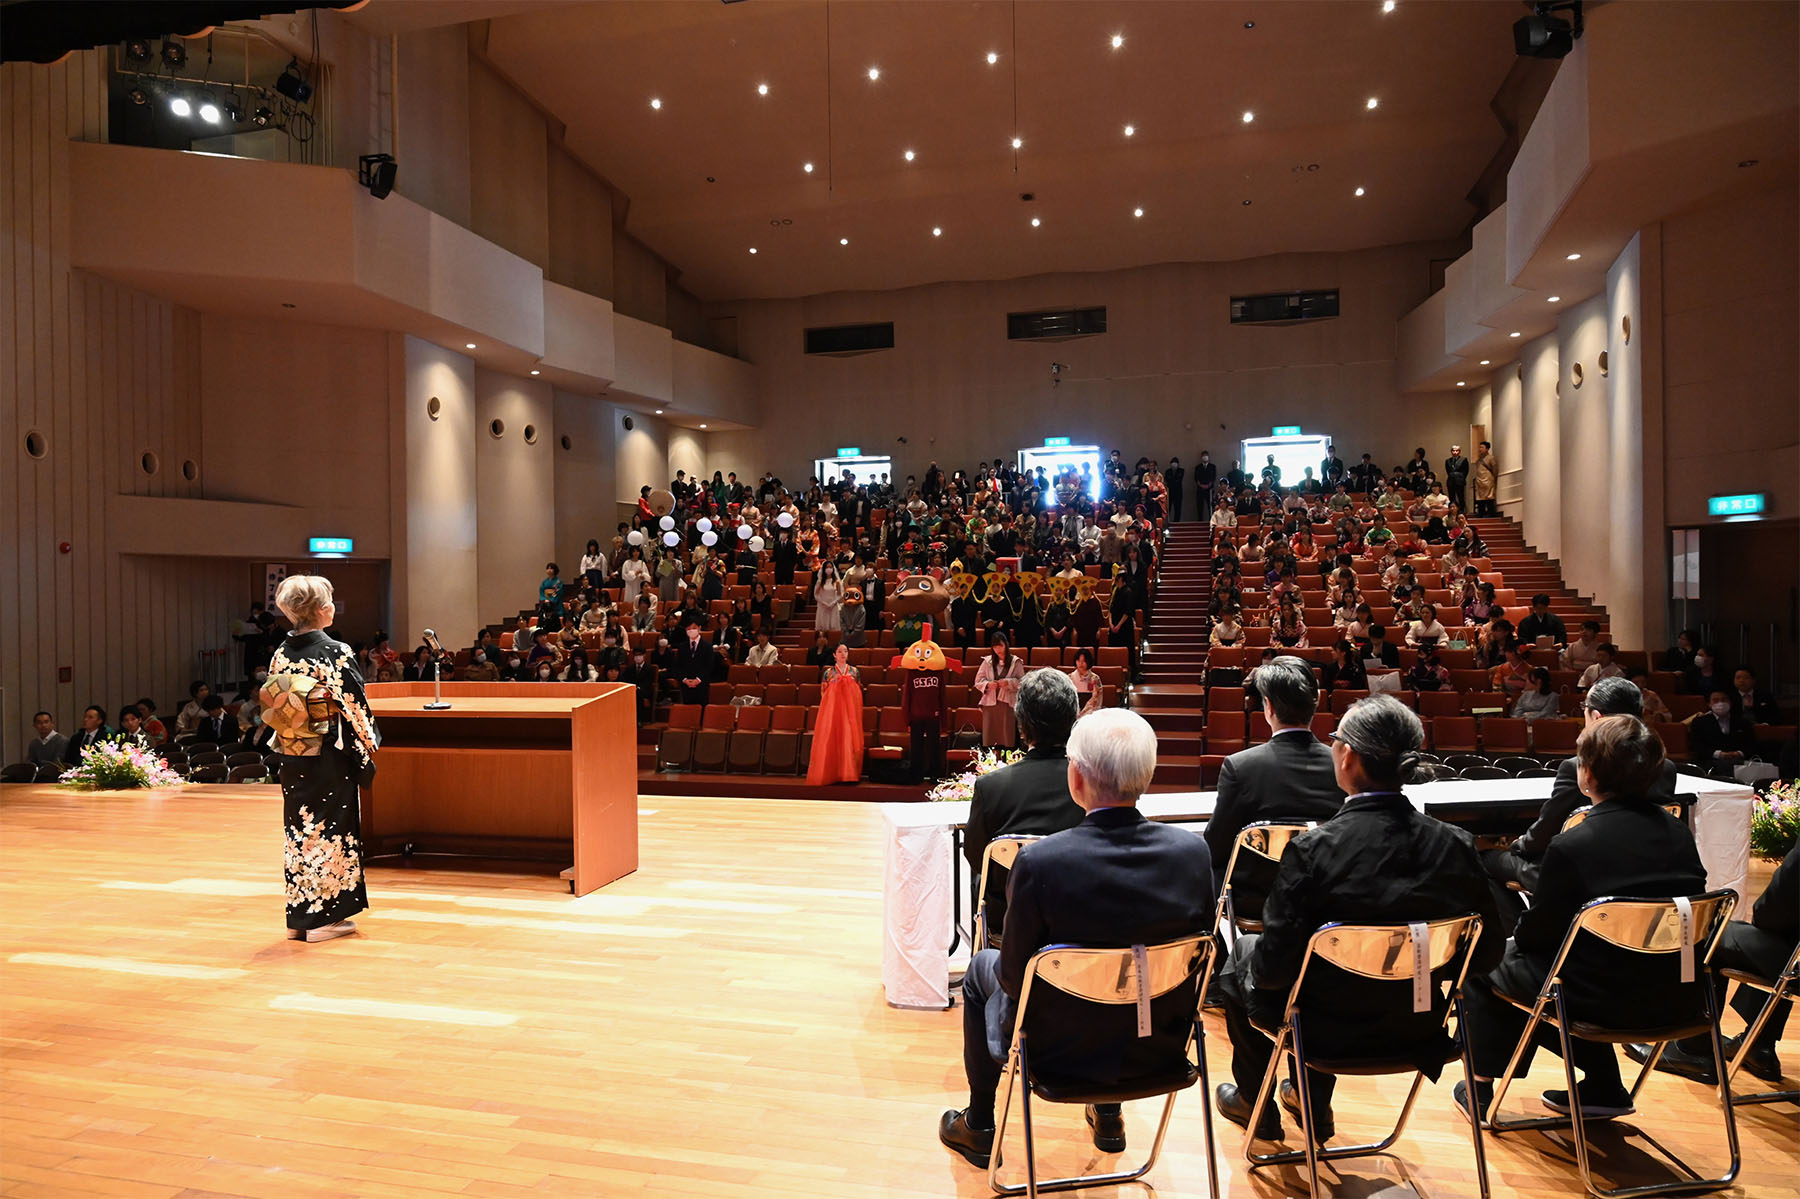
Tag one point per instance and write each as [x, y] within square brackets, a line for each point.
[745, 532]
[635, 537]
[709, 538]
[785, 520]
[667, 523]
[756, 545]
[671, 539]
[704, 525]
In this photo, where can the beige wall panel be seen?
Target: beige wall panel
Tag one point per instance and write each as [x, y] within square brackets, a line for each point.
[580, 220]
[507, 173]
[515, 490]
[433, 141]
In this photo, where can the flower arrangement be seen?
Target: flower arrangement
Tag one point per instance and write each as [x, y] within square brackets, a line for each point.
[119, 766]
[962, 786]
[1775, 821]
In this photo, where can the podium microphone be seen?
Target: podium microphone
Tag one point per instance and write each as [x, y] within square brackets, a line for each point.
[437, 671]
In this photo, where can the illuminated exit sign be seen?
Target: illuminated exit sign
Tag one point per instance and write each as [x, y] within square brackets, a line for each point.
[1286, 431]
[1735, 505]
[330, 545]
[849, 451]
[1056, 441]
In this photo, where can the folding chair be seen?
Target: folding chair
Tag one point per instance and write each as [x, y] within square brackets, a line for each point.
[1390, 953]
[1687, 928]
[1783, 987]
[1255, 857]
[19, 772]
[1149, 997]
[996, 872]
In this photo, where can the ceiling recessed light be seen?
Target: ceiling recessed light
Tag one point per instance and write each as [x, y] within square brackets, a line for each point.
[753, 249]
[937, 231]
[1018, 143]
[1514, 333]
[659, 412]
[1118, 39]
[1130, 129]
[1359, 191]
[1555, 299]
[1484, 362]
[1374, 102]
[1137, 212]
[655, 103]
[703, 424]
[992, 58]
[1460, 383]
[1248, 117]
[1246, 203]
[908, 156]
[762, 89]
[1387, 5]
[1574, 257]
[468, 345]
[843, 241]
[807, 168]
[1747, 163]
[1249, 24]
[535, 371]
[1035, 222]
[874, 73]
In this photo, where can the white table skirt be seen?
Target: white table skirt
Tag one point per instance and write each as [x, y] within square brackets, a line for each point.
[916, 959]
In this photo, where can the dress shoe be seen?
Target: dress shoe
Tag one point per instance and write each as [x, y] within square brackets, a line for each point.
[1484, 1095]
[1324, 1126]
[1234, 1106]
[1761, 1062]
[975, 1145]
[342, 928]
[1676, 1060]
[1595, 1104]
[1109, 1129]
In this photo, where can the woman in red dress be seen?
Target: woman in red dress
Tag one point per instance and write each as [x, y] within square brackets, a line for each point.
[837, 751]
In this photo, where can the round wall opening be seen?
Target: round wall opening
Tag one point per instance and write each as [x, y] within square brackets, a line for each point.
[190, 470]
[1603, 362]
[566, 443]
[149, 463]
[36, 445]
[434, 407]
[530, 434]
[1575, 374]
[1625, 328]
[628, 423]
[497, 427]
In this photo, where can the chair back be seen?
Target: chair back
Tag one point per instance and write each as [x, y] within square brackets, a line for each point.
[1575, 818]
[1413, 957]
[996, 871]
[1681, 931]
[1250, 871]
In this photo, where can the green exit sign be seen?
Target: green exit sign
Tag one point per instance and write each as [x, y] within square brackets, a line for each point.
[331, 545]
[1286, 431]
[1056, 441]
[849, 451]
[1735, 505]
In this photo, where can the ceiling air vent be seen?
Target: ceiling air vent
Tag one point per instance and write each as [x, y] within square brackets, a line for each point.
[1284, 307]
[850, 339]
[1059, 325]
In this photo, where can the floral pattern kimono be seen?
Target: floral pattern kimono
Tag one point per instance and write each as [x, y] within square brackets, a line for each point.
[323, 857]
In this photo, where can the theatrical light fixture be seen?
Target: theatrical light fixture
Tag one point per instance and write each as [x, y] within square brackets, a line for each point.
[1374, 102]
[138, 96]
[293, 84]
[874, 74]
[656, 104]
[1387, 5]
[807, 168]
[137, 50]
[1574, 257]
[909, 156]
[468, 345]
[1118, 39]
[1130, 129]
[1018, 143]
[377, 173]
[703, 424]
[209, 112]
[1460, 383]
[659, 412]
[992, 58]
[180, 107]
[1248, 117]
[174, 54]
[262, 116]
[1359, 191]
[762, 89]
[1543, 34]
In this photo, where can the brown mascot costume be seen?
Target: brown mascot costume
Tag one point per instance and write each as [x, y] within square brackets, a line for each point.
[922, 701]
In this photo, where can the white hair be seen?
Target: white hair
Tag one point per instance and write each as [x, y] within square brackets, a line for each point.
[1115, 751]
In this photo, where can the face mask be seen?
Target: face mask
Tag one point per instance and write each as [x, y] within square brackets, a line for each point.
[513, 662]
[480, 658]
[261, 675]
[1702, 661]
[544, 674]
[1721, 710]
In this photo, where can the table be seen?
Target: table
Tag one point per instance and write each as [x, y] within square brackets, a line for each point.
[537, 772]
[923, 871]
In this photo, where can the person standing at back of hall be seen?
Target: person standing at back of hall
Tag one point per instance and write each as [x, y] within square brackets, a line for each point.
[1487, 480]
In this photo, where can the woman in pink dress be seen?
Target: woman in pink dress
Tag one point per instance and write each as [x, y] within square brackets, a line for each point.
[998, 683]
[837, 752]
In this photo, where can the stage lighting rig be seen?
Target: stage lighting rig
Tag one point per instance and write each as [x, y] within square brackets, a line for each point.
[377, 172]
[1544, 34]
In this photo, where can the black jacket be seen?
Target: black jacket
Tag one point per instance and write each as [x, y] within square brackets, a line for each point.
[694, 663]
[1778, 909]
[1624, 849]
[1565, 797]
[1115, 879]
[1389, 653]
[220, 730]
[80, 739]
[1705, 737]
[1289, 778]
[1378, 861]
[1028, 797]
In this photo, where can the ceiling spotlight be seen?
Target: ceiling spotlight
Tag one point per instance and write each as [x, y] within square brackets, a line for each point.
[753, 249]
[1249, 24]
[656, 104]
[703, 424]
[1137, 212]
[1248, 117]
[1246, 203]
[1359, 191]
[174, 54]
[1374, 103]
[909, 156]
[293, 84]
[1573, 257]
[535, 371]
[1035, 222]
[1130, 129]
[1018, 143]
[1387, 5]
[1747, 163]
[1460, 383]
[1118, 39]
[137, 50]
[992, 58]
[1514, 333]
[138, 96]
[1483, 362]
[762, 89]
[209, 112]
[180, 106]
[659, 412]
[1545, 35]
[468, 345]
[937, 231]
[1554, 299]
[843, 241]
[874, 74]
[262, 116]
[807, 168]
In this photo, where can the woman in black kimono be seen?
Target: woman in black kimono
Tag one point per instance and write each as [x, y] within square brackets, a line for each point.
[327, 737]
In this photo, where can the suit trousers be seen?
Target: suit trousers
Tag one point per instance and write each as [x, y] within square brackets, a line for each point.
[927, 750]
[1754, 951]
[1496, 1025]
[1250, 1047]
[988, 1016]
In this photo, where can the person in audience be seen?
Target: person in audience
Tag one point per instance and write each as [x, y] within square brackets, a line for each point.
[1482, 607]
[1539, 700]
[1114, 879]
[763, 653]
[1380, 649]
[190, 712]
[1542, 622]
[634, 577]
[1226, 630]
[131, 728]
[550, 590]
[1753, 703]
[694, 664]
[1376, 861]
[216, 724]
[837, 755]
[1345, 671]
[1604, 666]
[481, 668]
[1123, 623]
[419, 669]
[1456, 477]
[1087, 683]
[1720, 737]
[1761, 947]
[93, 731]
[1487, 480]
[1514, 675]
[997, 682]
[818, 654]
[1627, 847]
[643, 675]
[1585, 649]
[1656, 710]
[593, 565]
[1679, 659]
[1031, 796]
[579, 670]
[1428, 674]
[154, 728]
[595, 616]
[49, 747]
[1287, 627]
[1425, 631]
[1705, 675]
[1356, 629]
[1288, 778]
[1492, 641]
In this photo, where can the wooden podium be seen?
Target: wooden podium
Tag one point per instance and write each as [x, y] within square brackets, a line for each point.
[537, 772]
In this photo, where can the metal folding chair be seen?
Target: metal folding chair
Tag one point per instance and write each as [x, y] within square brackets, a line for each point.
[1407, 955]
[1258, 845]
[1151, 996]
[1687, 927]
[1573, 819]
[996, 871]
[1784, 986]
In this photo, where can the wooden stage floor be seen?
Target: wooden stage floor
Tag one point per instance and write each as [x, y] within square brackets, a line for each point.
[712, 1025]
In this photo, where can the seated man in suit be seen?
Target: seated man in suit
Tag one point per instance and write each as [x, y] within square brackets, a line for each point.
[1761, 947]
[1378, 861]
[1629, 847]
[1115, 879]
[695, 663]
[1721, 738]
[1518, 862]
[216, 724]
[1288, 778]
[93, 731]
[1032, 795]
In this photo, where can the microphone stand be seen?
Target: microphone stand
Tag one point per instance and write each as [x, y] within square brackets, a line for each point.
[437, 684]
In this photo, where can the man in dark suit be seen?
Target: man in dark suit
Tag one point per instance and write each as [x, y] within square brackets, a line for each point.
[1115, 879]
[1629, 847]
[1332, 471]
[1380, 649]
[1456, 478]
[1364, 475]
[216, 724]
[1206, 478]
[1030, 796]
[1378, 861]
[1289, 778]
[1755, 703]
[92, 732]
[695, 663]
[1519, 862]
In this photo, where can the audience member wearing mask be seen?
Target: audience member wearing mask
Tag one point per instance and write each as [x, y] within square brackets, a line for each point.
[1704, 676]
[1720, 737]
[480, 669]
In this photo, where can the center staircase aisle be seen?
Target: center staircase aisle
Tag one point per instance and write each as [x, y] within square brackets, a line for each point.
[1171, 696]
